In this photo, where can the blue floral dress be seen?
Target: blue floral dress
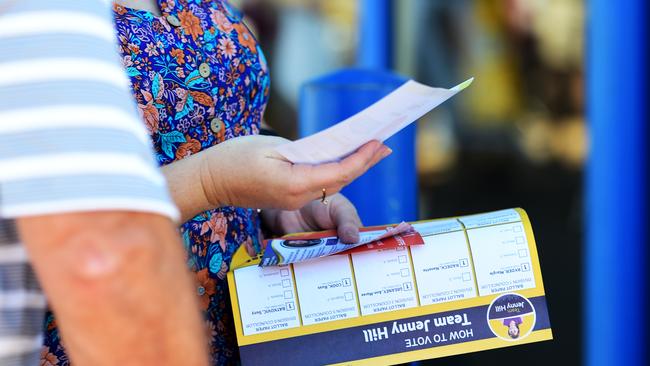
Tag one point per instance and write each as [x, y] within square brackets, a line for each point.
[199, 78]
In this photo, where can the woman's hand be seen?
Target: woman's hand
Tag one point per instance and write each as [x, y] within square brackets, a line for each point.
[248, 172]
[338, 214]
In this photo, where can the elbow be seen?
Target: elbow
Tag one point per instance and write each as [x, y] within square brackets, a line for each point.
[95, 253]
[107, 254]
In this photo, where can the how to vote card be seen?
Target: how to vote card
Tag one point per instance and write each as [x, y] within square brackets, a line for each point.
[443, 287]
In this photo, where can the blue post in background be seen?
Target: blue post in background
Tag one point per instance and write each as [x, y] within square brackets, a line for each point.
[616, 210]
[388, 192]
[375, 34]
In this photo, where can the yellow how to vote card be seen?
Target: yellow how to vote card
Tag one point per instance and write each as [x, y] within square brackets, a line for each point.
[436, 288]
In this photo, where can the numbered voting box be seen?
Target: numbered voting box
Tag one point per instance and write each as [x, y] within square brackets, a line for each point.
[426, 290]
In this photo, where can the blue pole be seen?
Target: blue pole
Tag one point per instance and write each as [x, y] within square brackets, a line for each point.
[375, 36]
[388, 192]
[616, 184]
[375, 52]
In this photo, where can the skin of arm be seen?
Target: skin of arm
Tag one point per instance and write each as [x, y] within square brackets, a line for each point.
[102, 273]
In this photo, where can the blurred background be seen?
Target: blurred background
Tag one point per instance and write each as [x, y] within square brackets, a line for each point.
[516, 138]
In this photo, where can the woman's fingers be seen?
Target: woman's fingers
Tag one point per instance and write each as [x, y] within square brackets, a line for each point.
[346, 219]
[307, 181]
[342, 173]
[359, 162]
[380, 155]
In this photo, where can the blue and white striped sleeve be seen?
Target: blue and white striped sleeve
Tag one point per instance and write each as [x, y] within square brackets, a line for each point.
[70, 136]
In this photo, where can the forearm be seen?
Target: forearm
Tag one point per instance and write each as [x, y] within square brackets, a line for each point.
[184, 178]
[119, 287]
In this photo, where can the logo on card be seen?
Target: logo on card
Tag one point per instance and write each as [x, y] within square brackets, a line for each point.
[511, 317]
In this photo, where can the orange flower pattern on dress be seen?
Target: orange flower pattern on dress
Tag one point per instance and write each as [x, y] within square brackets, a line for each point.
[178, 54]
[205, 287]
[245, 37]
[202, 98]
[217, 227]
[227, 47]
[177, 105]
[48, 358]
[191, 24]
[120, 10]
[192, 146]
[221, 20]
[149, 112]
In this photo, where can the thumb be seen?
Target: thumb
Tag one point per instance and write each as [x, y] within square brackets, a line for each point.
[346, 218]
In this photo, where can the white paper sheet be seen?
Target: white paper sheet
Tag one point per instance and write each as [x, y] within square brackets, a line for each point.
[380, 121]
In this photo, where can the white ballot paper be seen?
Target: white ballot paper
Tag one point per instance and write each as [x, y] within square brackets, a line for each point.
[380, 121]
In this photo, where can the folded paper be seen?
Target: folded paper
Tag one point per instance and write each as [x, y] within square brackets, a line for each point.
[380, 121]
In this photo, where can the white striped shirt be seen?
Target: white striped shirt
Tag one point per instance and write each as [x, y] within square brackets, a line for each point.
[70, 140]
[70, 137]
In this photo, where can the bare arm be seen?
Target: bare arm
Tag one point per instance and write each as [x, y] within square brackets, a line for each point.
[119, 287]
[185, 186]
